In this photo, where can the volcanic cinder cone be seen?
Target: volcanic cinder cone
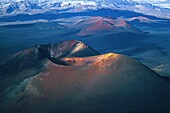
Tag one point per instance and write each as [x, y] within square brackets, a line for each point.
[100, 25]
[77, 82]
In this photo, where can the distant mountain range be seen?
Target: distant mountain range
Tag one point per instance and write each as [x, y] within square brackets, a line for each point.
[11, 7]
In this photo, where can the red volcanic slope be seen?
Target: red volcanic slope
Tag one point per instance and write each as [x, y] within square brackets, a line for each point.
[99, 24]
[100, 83]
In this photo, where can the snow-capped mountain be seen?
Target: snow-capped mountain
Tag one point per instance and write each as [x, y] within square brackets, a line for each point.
[40, 6]
[13, 7]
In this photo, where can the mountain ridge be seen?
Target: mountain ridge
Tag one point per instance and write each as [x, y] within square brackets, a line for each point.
[33, 7]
